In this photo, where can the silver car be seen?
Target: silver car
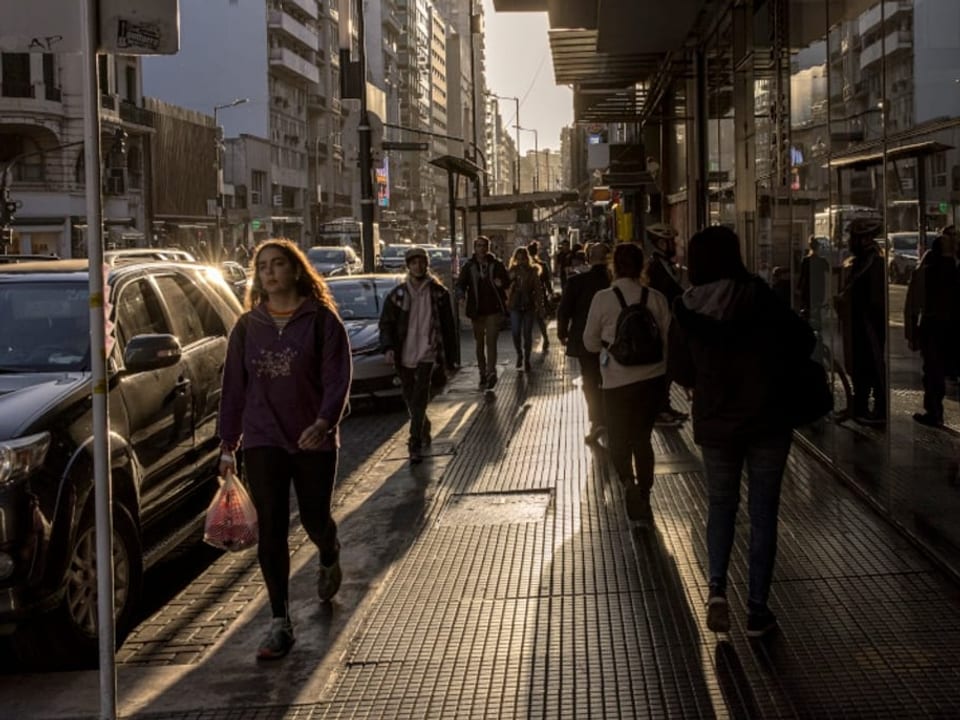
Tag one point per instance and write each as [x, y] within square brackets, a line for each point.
[360, 299]
[335, 261]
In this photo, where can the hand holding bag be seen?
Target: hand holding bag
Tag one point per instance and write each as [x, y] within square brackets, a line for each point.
[231, 522]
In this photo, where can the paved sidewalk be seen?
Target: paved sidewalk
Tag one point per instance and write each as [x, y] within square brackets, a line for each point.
[522, 590]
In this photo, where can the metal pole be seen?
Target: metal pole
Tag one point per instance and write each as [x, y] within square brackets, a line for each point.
[454, 260]
[516, 180]
[366, 182]
[98, 363]
[219, 158]
[473, 106]
[536, 161]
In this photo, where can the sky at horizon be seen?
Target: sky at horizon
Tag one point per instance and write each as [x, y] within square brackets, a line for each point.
[519, 64]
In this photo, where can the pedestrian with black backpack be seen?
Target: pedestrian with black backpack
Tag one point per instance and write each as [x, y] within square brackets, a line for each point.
[628, 324]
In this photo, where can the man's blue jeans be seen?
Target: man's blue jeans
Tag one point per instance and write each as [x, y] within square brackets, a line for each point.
[766, 460]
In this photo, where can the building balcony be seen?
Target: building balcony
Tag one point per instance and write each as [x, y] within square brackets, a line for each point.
[288, 62]
[282, 22]
[871, 19]
[39, 101]
[897, 41]
[316, 101]
[309, 7]
[391, 19]
[137, 115]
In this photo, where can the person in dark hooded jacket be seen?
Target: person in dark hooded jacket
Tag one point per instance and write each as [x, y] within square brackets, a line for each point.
[733, 340]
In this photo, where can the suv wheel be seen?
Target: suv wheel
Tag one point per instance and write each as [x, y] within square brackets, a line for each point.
[66, 638]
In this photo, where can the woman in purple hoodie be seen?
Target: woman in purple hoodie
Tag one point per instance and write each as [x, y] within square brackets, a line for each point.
[286, 381]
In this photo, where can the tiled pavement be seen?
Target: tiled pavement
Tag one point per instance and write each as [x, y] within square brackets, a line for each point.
[527, 593]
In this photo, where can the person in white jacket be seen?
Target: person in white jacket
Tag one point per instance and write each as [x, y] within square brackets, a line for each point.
[632, 394]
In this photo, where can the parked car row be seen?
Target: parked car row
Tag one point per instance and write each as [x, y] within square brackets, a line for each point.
[171, 325]
[172, 321]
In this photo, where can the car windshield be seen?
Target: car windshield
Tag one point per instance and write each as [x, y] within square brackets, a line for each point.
[395, 251]
[360, 299]
[326, 255]
[439, 253]
[43, 326]
[905, 243]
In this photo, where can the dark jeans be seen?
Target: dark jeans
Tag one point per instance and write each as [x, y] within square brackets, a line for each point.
[486, 328]
[269, 471]
[590, 377]
[521, 324]
[765, 462]
[631, 411]
[415, 383]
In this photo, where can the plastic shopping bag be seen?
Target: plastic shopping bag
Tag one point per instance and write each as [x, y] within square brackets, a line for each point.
[231, 522]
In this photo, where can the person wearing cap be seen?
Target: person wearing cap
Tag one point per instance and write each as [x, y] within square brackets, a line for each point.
[418, 337]
[663, 275]
[483, 283]
[863, 321]
[930, 321]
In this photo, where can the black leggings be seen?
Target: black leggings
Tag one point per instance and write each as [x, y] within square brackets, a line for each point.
[269, 471]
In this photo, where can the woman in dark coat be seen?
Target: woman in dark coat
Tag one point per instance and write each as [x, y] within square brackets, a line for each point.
[734, 341]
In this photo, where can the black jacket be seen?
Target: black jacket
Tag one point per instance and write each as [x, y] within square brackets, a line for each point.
[662, 279]
[736, 343]
[468, 284]
[395, 319]
[575, 304]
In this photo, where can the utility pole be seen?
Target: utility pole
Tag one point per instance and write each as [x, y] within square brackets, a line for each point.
[516, 119]
[219, 166]
[536, 156]
[476, 27]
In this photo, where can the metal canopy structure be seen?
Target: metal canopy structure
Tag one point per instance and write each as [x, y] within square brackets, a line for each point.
[612, 52]
[529, 201]
[859, 159]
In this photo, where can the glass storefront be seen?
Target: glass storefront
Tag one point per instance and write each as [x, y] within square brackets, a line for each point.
[825, 113]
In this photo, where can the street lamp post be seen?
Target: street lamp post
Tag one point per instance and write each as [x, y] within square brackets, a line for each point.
[219, 165]
[476, 28]
[536, 156]
[516, 119]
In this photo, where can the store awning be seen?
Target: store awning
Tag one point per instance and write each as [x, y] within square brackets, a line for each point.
[865, 158]
[493, 203]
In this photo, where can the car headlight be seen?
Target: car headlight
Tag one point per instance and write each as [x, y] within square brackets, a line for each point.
[20, 456]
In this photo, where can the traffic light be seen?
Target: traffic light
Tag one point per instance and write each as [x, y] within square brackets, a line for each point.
[8, 209]
[120, 137]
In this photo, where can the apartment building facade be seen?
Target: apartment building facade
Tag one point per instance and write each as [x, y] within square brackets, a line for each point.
[272, 71]
[41, 145]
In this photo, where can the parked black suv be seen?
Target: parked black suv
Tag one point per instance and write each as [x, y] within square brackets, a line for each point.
[171, 326]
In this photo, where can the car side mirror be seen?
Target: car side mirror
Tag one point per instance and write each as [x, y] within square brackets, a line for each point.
[151, 352]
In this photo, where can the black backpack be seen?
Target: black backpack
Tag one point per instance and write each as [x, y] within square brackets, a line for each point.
[637, 339]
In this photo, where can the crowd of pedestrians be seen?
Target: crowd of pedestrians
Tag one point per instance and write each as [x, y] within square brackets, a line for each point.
[634, 326]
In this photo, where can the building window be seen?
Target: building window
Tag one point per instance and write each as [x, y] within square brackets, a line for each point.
[131, 77]
[16, 75]
[31, 166]
[258, 184]
[938, 170]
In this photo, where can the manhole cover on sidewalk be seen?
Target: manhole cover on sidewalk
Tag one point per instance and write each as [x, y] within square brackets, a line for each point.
[508, 508]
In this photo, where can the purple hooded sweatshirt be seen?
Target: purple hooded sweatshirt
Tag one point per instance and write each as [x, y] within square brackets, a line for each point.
[275, 386]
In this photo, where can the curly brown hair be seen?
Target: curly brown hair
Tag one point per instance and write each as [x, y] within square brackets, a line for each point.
[309, 282]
